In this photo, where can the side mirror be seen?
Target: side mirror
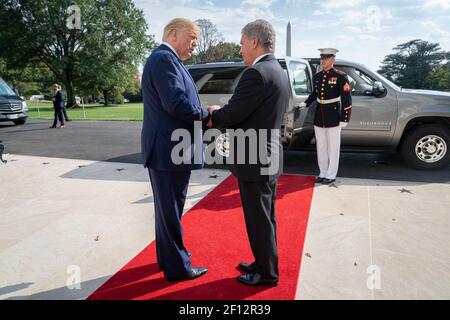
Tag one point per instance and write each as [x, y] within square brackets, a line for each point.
[378, 89]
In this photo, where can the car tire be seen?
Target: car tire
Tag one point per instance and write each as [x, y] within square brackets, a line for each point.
[427, 147]
[20, 121]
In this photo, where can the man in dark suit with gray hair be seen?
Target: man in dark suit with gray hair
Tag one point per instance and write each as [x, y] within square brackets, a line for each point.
[258, 104]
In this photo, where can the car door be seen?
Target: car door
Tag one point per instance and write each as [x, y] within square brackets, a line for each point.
[301, 88]
[373, 118]
[216, 85]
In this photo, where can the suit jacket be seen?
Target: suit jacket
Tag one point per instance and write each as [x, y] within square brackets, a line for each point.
[58, 100]
[260, 101]
[170, 102]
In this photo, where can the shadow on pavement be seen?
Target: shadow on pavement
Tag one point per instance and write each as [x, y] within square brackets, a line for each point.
[63, 293]
[16, 287]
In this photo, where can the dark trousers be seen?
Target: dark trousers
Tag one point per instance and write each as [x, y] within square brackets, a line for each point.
[65, 114]
[169, 195]
[258, 202]
[58, 116]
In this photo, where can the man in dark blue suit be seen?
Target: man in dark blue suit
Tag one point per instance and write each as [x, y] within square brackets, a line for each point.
[58, 106]
[171, 103]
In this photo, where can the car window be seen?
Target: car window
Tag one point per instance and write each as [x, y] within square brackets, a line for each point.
[300, 78]
[5, 90]
[217, 80]
[360, 82]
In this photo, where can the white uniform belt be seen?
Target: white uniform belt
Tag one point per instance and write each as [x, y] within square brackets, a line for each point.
[329, 101]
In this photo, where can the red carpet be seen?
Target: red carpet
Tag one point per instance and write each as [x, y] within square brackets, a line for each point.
[214, 231]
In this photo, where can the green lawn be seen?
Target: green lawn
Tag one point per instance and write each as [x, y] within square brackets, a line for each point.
[125, 112]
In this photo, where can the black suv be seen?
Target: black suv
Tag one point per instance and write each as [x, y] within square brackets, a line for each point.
[12, 107]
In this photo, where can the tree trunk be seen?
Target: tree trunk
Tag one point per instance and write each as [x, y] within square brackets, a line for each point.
[70, 94]
[105, 96]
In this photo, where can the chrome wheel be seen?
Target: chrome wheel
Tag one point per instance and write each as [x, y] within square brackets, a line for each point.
[431, 149]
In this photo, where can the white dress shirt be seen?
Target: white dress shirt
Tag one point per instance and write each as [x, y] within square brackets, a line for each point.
[171, 48]
[260, 57]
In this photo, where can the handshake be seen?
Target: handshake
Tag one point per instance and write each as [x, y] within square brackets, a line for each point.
[211, 109]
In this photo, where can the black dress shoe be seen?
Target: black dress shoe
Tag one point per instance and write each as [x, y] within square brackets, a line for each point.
[328, 181]
[255, 279]
[319, 180]
[247, 267]
[195, 273]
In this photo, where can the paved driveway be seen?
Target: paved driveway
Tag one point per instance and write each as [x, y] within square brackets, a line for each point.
[119, 141]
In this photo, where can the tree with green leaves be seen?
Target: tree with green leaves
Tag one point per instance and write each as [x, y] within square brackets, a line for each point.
[209, 37]
[109, 35]
[412, 62]
[29, 80]
[224, 51]
[211, 46]
[439, 79]
[112, 82]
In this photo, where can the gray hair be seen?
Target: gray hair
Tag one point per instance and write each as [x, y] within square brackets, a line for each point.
[263, 31]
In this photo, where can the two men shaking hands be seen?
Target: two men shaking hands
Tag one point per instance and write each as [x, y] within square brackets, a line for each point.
[171, 102]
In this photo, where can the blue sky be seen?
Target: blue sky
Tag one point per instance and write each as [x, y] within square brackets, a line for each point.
[363, 30]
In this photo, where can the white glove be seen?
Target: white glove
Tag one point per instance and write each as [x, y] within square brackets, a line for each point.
[302, 105]
[343, 124]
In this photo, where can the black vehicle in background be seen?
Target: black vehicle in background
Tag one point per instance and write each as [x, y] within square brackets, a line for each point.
[12, 107]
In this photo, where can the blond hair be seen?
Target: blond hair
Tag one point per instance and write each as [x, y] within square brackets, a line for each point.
[179, 24]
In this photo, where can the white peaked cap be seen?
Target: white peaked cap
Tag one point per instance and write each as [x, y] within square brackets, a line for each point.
[328, 51]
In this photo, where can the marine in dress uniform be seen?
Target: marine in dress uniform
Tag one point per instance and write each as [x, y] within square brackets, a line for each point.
[334, 105]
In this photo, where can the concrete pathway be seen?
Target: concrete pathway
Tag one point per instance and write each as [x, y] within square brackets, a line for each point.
[61, 219]
[65, 221]
[370, 239]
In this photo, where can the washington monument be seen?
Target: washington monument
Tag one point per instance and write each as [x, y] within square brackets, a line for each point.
[288, 40]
